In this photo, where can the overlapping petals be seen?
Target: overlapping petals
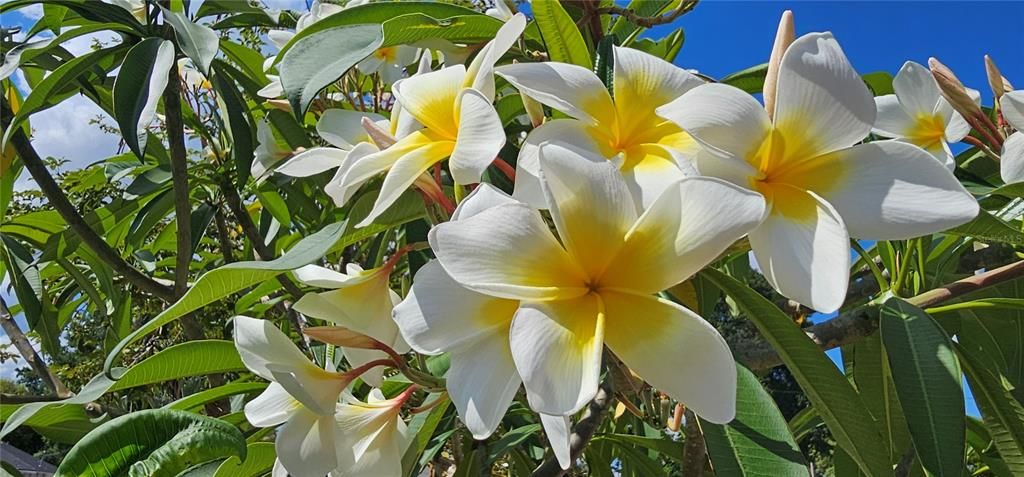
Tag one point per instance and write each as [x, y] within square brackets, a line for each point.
[1011, 167]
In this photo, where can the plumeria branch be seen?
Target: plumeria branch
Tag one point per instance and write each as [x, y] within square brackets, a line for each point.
[29, 354]
[583, 431]
[647, 22]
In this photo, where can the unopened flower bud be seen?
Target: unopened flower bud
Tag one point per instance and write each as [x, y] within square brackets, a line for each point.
[996, 80]
[953, 90]
[784, 37]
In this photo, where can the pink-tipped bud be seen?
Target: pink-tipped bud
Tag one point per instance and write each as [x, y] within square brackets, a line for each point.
[953, 90]
[281, 104]
[344, 337]
[784, 37]
[996, 80]
[377, 134]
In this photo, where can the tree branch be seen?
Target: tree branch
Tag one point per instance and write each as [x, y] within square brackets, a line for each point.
[179, 179]
[70, 214]
[583, 431]
[29, 354]
[695, 450]
[684, 7]
[861, 322]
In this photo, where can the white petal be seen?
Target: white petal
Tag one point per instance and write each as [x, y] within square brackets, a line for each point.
[312, 162]
[480, 74]
[317, 389]
[572, 89]
[272, 407]
[689, 226]
[343, 128]
[675, 350]
[272, 90]
[649, 179]
[1011, 167]
[370, 65]
[891, 190]
[305, 445]
[341, 188]
[729, 168]
[591, 206]
[1012, 105]
[558, 430]
[642, 82]
[430, 98]
[440, 315]
[892, 120]
[482, 198]
[804, 250]
[260, 343]
[317, 276]
[280, 38]
[720, 117]
[403, 173]
[476, 252]
[821, 97]
[916, 88]
[956, 126]
[528, 186]
[481, 137]
[557, 349]
[482, 382]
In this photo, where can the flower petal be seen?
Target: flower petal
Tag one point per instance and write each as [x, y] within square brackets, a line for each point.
[506, 251]
[482, 382]
[642, 82]
[572, 89]
[821, 97]
[1011, 167]
[430, 98]
[675, 350]
[341, 188]
[891, 190]
[528, 186]
[589, 202]
[312, 162]
[916, 89]
[322, 277]
[1012, 105]
[272, 407]
[558, 430]
[482, 198]
[480, 74]
[557, 347]
[722, 118]
[804, 250]
[344, 128]
[660, 167]
[305, 444]
[440, 315]
[260, 343]
[689, 226]
[481, 137]
[403, 173]
[316, 388]
[892, 120]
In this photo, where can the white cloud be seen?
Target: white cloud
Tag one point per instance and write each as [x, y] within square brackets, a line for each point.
[32, 12]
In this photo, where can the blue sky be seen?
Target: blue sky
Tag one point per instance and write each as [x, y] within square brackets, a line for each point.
[722, 37]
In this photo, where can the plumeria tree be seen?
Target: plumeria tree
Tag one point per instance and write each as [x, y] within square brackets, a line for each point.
[431, 238]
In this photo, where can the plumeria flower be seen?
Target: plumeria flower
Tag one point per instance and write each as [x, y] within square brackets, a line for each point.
[268, 153]
[441, 316]
[373, 437]
[1011, 167]
[191, 76]
[820, 186]
[918, 114]
[138, 8]
[318, 10]
[500, 11]
[301, 396]
[648, 149]
[362, 301]
[459, 122]
[593, 285]
[389, 61]
[341, 128]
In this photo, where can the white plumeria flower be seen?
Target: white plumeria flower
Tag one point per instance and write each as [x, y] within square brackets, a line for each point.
[597, 288]
[500, 11]
[361, 301]
[317, 11]
[821, 187]
[389, 61]
[301, 396]
[648, 149]
[191, 76]
[373, 436]
[454, 107]
[344, 130]
[441, 316]
[268, 153]
[136, 7]
[1011, 167]
[918, 114]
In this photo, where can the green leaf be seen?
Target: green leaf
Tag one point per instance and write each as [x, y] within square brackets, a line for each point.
[880, 82]
[758, 441]
[193, 401]
[510, 440]
[191, 358]
[1013, 190]
[238, 120]
[230, 278]
[927, 377]
[259, 460]
[315, 61]
[138, 88]
[1002, 414]
[422, 427]
[989, 227]
[90, 392]
[840, 406]
[155, 442]
[198, 42]
[61, 423]
[563, 40]
[750, 80]
[414, 27]
[663, 446]
[88, 9]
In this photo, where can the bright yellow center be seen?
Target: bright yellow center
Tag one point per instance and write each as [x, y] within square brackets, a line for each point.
[637, 133]
[388, 54]
[928, 131]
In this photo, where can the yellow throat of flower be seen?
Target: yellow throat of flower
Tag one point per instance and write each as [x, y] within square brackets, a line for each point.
[928, 131]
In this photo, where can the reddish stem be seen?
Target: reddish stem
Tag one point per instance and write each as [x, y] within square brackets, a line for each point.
[505, 168]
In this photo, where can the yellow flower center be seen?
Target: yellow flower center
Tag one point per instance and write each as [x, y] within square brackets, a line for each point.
[928, 131]
[387, 54]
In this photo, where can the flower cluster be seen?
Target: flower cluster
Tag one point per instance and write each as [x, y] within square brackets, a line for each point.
[632, 191]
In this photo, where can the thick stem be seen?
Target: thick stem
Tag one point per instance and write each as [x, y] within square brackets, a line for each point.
[28, 353]
[56, 198]
[583, 431]
[222, 235]
[179, 180]
[647, 22]
[695, 451]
